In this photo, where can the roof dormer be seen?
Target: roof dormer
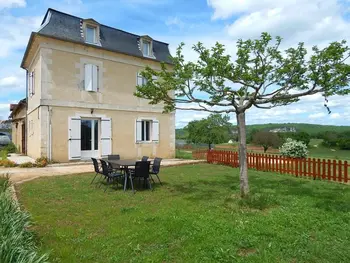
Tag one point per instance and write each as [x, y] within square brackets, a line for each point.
[146, 46]
[91, 31]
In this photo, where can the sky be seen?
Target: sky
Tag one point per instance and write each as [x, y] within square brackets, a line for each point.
[315, 22]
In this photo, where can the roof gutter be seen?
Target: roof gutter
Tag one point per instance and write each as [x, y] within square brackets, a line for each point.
[32, 35]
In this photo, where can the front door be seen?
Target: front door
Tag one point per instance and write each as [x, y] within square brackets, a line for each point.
[89, 129]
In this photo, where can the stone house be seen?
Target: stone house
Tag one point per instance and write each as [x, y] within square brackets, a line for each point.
[81, 76]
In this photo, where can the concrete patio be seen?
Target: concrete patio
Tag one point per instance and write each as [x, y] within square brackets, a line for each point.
[20, 175]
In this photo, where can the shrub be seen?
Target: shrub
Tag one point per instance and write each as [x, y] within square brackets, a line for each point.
[11, 148]
[293, 149]
[26, 165]
[7, 163]
[3, 154]
[41, 162]
[17, 242]
[344, 144]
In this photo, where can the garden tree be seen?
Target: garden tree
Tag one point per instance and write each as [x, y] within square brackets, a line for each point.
[261, 76]
[213, 129]
[267, 139]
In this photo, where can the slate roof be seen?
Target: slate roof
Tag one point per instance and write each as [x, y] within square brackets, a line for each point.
[67, 27]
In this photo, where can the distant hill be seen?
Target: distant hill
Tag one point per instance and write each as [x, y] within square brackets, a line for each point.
[312, 129]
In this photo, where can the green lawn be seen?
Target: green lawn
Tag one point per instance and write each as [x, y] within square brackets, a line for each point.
[196, 216]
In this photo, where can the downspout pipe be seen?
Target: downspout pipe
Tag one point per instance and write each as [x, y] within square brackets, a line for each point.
[26, 120]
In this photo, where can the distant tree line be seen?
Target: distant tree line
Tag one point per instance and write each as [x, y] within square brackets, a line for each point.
[335, 139]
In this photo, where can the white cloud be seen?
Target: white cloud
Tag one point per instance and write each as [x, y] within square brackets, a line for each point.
[15, 32]
[174, 21]
[12, 3]
[335, 115]
[317, 115]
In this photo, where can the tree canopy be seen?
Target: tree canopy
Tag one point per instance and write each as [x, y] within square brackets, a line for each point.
[267, 139]
[261, 75]
[213, 129]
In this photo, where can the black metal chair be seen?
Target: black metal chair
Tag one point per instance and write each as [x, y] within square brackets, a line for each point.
[96, 168]
[144, 159]
[110, 175]
[156, 168]
[113, 157]
[141, 171]
[115, 167]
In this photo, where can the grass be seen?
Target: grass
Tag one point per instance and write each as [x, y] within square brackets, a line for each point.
[317, 150]
[196, 216]
[183, 154]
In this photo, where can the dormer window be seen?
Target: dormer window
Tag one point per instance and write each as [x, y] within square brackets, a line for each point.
[146, 46]
[91, 31]
[90, 34]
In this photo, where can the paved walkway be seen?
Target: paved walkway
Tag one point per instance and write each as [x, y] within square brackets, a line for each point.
[19, 159]
[20, 175]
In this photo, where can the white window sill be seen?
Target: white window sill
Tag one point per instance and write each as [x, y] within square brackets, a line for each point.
[147, 142]
[149, 56]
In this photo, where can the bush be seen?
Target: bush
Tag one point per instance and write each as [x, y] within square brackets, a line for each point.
[41, 162]
[344, 144]
[27, 165]
[293, 149]
[7, 163]
[17, 242]
[11, 148]
[3, 154]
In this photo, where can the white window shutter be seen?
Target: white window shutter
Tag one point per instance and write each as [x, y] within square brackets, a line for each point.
[154, 77]
[30, 84]
[155, 131]
[94, 78]
[74, 138]
[138, 131]
[88, 77]
[106, 136]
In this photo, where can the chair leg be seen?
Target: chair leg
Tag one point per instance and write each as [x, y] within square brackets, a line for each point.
[152, 178]
[150, 184]
[107, 182]
[159, 179]
[93, 179]
[132, 184]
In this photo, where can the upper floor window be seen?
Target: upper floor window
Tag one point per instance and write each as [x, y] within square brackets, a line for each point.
[91, 80]
[146, 48]
[90, 33]
[31, 83]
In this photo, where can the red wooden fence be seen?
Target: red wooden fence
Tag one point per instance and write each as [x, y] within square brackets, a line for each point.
[307, 167]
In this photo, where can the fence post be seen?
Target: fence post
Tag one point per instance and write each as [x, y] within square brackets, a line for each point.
[323, 169]
[346, 171]
[334, 170]
[339, 171]
[314, 168]
[319, 168]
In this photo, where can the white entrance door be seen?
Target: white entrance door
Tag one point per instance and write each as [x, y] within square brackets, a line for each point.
[89, 138]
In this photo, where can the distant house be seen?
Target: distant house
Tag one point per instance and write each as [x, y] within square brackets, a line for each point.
[284, 129]
[81, 78]
[18, 118]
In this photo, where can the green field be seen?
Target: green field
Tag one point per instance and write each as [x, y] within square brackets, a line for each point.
[196, 216]
[312, 129]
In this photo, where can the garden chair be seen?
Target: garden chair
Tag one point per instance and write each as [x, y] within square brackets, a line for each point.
[141, 171]
[114, 157]
[155, 169]
[96, 168]
[144, 158]
[109, 174]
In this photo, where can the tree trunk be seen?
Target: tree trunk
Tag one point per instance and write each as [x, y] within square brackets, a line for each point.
[265, 148]
[209, 145]
[242, 153]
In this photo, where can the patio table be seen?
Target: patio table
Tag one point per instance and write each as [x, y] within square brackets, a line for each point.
[126, 163]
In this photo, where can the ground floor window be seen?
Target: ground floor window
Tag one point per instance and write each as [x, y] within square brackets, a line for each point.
[147, 130]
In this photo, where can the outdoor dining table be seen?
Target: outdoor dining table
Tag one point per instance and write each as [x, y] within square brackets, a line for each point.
[126, 163]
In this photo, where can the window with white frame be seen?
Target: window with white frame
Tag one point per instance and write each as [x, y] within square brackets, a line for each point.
[141, 80]
[146, 48]
[31, 83]
[147, 130]
[90, 34]
[91, 77]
